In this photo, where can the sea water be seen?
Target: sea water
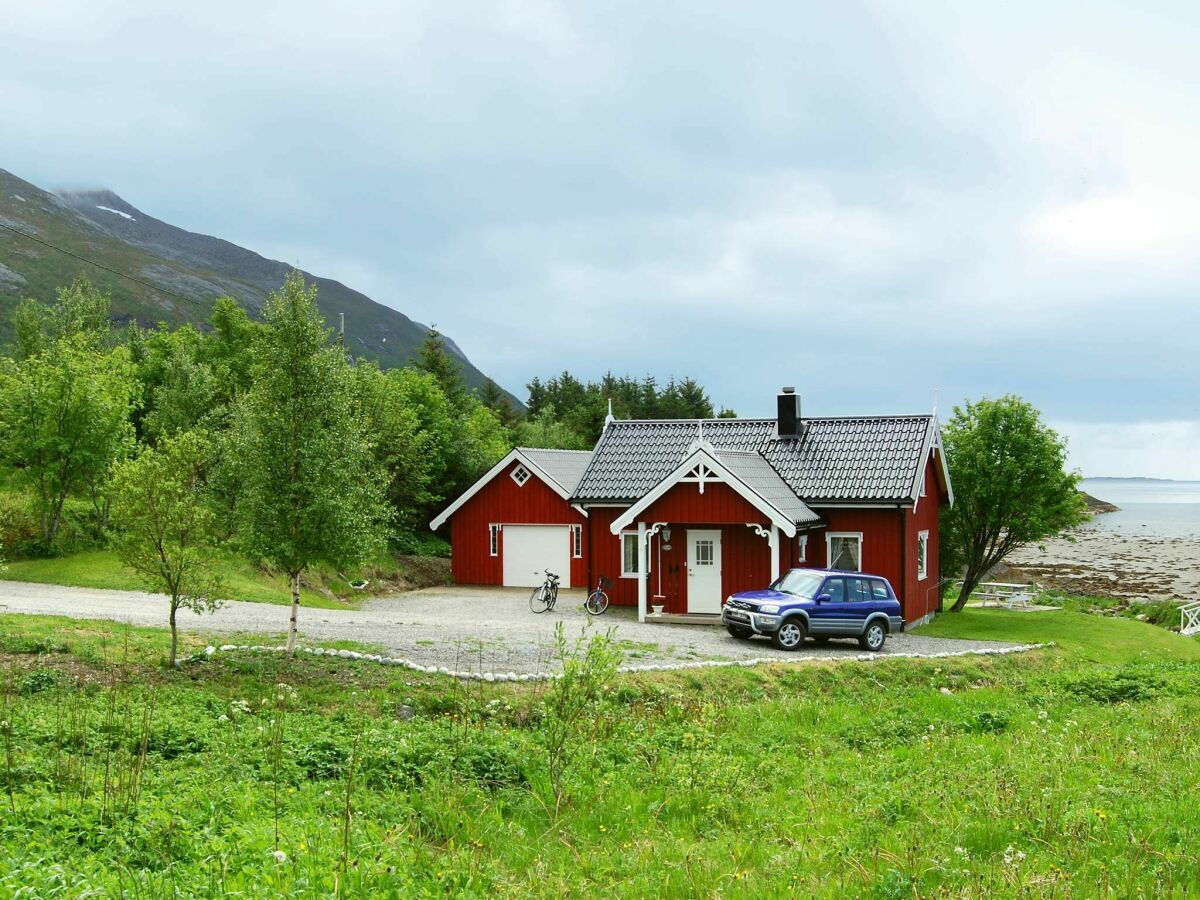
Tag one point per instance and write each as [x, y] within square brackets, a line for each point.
[1148, 507]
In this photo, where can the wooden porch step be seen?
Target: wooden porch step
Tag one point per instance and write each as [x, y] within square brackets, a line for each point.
[685, 619]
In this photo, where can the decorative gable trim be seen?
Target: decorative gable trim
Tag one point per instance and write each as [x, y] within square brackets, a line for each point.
[933, 446]
[700, 468]
[513, 456]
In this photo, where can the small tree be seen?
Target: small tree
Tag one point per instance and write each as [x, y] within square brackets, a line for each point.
[435, 358]
[164, 525]
[310, 488]
[1011, 487]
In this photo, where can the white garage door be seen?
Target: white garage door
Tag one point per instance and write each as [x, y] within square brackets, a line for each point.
[530, 549]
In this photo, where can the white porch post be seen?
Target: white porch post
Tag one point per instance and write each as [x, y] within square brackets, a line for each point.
[773, 543]
[643, 557]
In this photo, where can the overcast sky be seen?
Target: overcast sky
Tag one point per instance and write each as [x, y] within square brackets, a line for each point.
[877, 202]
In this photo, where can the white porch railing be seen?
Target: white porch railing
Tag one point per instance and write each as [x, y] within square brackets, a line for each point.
[1189, 619]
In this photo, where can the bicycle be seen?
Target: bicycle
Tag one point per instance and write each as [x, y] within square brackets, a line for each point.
[543, 598]
[597, 601]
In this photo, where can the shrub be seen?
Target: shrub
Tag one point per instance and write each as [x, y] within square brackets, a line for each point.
[492, 765]
[321, 760]
[37, 681]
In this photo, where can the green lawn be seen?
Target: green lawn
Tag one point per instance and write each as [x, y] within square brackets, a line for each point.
[102, 569]
[1066, 772]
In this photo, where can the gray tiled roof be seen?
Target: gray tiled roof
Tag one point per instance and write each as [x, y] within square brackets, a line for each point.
[853, 459]
[756, 472]
[633, 456]
[835, 459]
[565, 466]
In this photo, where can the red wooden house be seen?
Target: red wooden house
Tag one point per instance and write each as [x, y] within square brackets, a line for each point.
[681, 513]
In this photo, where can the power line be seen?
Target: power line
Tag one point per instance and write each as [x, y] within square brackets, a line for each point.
[92, 262]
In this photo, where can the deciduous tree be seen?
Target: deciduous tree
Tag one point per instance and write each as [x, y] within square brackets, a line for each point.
[311, 490]
[164, 525]
[1011, 487]
[64, 420]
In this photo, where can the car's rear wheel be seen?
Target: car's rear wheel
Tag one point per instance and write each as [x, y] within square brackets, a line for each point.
[742, 634]
[790, 635]
[873, 638]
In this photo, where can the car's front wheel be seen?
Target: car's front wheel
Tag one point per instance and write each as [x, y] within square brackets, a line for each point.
[742, 634]
[873, 638]
[790, 635]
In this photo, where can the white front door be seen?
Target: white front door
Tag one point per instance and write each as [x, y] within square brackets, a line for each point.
[704, 571]
[529, 550]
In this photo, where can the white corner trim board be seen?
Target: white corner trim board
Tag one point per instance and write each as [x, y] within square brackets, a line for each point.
[210, 651]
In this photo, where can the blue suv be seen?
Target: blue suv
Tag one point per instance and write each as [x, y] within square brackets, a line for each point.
[822, 603]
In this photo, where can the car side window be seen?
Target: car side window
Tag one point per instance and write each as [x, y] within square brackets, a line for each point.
[879, 590]
[856, 590]
[836, 589]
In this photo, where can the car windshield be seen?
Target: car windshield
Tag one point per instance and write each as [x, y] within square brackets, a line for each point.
[802, 584]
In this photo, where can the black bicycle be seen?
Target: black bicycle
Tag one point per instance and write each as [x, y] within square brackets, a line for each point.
[597, 601]
[544, 597]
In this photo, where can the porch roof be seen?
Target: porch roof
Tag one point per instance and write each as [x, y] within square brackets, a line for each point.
[746, 473]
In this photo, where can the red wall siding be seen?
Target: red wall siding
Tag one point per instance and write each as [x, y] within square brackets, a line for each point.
[606, 556]
[922, 596]
[503, 501]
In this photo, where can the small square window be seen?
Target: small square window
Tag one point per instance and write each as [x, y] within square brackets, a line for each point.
[843, 550]
[577, 541]
[520, 475]
[493, 540]
[922, 555]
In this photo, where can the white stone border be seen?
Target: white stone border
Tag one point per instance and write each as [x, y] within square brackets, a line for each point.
[663, 667]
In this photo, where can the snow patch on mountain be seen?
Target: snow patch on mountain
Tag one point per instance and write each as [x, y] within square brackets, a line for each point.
[123, 215]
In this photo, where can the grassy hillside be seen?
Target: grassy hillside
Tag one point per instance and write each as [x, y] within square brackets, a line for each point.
[1058, 773]
[186, 271]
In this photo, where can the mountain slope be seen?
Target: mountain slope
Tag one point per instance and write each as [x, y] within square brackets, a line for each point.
[101, 227]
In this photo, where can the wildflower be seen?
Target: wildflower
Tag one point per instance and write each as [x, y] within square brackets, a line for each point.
[961, 851]
[222, 718]
[280, 856]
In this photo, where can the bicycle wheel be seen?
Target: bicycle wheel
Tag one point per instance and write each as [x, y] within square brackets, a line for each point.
[539, 600]
[597, 603]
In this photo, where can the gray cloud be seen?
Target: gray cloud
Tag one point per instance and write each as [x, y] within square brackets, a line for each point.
[876, 202]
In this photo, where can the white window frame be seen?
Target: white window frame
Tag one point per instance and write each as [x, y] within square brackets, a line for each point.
[519, 471]
[576, 542]
[923, 486]
[626, 535]
[802, 548]
[493, 539]
[922, 555]
[830, 535]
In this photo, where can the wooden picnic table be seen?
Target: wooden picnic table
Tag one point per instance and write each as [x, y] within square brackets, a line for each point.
[1004, 593]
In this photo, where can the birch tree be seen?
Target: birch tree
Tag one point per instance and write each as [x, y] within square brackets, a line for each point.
[164, 526]
[311, 491]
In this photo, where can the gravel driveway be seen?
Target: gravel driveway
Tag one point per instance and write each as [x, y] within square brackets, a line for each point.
[464, 628]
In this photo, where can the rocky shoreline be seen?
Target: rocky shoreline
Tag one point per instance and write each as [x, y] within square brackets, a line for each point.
[1102, 563]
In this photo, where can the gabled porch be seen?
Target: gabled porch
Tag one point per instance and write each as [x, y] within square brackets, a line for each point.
[710, 528]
